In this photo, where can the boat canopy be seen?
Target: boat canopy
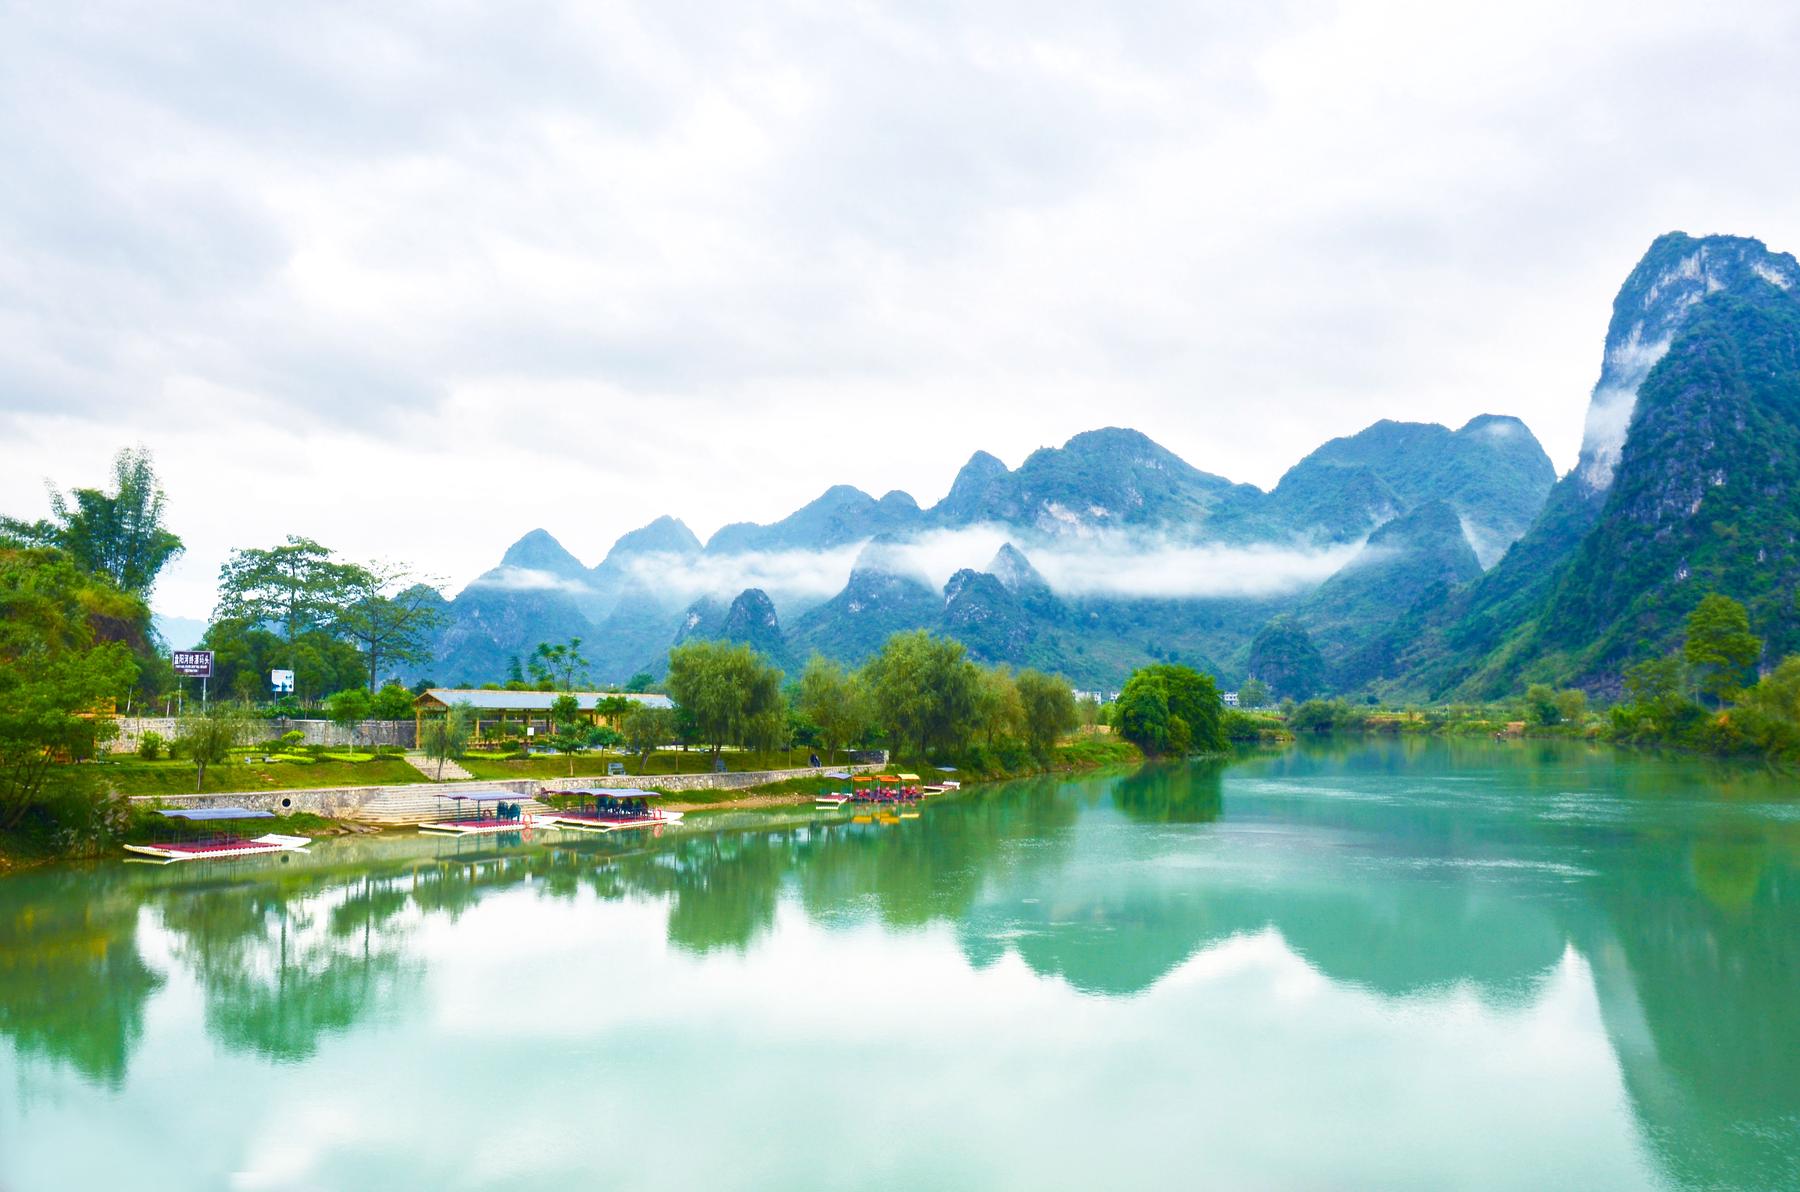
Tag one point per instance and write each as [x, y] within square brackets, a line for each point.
[908, 777]
[219, 813]
[590, 791]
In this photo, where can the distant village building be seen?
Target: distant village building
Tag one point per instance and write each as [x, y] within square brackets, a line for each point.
[528, 710]
[1230, 698]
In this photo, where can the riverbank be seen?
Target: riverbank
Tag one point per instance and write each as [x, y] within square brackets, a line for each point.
[130, 821]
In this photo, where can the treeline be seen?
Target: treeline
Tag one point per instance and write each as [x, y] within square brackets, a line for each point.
[75, 641]
[920, 696]
[1709, 697]
[335, 623]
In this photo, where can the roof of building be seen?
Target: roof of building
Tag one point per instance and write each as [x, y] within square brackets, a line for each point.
[532, 701]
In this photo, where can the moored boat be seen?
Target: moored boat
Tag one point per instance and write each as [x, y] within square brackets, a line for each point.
[214, 845]
[473, 816]
[608, 811]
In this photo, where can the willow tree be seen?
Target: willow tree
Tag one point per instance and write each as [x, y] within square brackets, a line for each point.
[731, 693]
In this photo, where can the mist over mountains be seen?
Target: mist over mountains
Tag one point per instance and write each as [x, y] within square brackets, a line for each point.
[1409, 558]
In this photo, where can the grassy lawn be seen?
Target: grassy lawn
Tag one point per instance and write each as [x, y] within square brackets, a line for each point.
[177, 777]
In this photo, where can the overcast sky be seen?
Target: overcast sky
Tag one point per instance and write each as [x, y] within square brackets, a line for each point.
[413, 280]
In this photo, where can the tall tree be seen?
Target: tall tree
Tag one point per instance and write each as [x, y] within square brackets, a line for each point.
[924, 690]
[835, 701]
[1049, 704]
[999, 713]
[565, 717]
[57, 667]
[295, 588]
[348, 709]
[209, 738]
[118, 534]
[645, 728]
[560, 665]
[1720, 648]
[728, 689]
[1171, 709]
[389, 618]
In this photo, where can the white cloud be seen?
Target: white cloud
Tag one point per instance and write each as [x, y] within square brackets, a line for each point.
[412, 280]
[1097, 565]
[529, 579]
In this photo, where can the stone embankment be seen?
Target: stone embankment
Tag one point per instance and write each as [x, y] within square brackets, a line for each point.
[313, 732]
[417, 802]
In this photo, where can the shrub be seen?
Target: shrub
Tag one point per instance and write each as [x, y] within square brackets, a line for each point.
[150, 746]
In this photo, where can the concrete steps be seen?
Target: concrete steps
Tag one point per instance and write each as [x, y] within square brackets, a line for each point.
[452, 772]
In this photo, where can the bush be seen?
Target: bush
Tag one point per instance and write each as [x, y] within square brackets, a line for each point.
[291, 740]
[150, 746]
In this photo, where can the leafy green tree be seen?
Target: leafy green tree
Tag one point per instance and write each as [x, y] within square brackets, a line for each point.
[118, 534]
[1253, 694]
[999, 713]
[640, 682]
[445, 737]
[646, 727]
[57, 668]
[728, 689]
[558, 667]
[389, 619]
[348, 709]
[392, 702]
[1141, 713]
[835, 701]
[923, 690]
[1171, 709]
[1720, 648]
[1540, 705]
[1653, 681]
[570, 737]
[1049, 705]
[1771, 711]
[244, 654]
[296, 588]
[614, 708]
[209, 738]
[1571, 706]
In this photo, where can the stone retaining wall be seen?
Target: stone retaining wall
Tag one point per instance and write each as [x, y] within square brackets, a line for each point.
[318, 732]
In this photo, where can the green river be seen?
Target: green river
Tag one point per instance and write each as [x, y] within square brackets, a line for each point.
[1366, 964]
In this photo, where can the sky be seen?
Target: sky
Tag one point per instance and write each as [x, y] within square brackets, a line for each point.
[415, 279]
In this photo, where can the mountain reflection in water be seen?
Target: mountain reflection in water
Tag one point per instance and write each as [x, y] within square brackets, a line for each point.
[1418, 874]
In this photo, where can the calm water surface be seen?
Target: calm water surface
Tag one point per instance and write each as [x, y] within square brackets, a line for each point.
[1393, 965]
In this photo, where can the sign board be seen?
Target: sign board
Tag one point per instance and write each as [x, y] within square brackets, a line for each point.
[192, 664]
[282, 681]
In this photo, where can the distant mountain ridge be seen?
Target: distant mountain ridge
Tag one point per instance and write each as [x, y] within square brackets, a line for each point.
[1463, 566]
[1110, 486]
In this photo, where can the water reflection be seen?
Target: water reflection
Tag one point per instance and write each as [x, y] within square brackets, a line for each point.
[1407, 869]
